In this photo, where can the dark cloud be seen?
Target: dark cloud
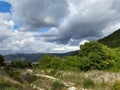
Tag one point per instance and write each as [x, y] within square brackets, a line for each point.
[88, 20]
[39, 13]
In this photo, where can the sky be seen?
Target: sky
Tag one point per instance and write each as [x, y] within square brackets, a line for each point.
[55, 26]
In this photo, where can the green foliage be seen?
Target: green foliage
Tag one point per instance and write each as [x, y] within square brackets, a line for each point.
[11, 88]
[91, 56]
[5, 85]
[103, 83]
[91, 47]
[57, 85]
[116, 86]
[88, 83]
[70, 63]
[21, 64]
[47, 61]
[95, 56]
[67, 63]
[29, 78]
[14, 74]
[1, 60]
[116, 61]
[112, 41]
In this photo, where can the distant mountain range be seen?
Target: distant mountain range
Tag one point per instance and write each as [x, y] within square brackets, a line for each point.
[33, 57]
[113, 40]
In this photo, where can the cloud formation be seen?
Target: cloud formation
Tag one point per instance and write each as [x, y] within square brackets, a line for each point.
[16, 41]
[39, 13]
[88, 20]
[69, 22]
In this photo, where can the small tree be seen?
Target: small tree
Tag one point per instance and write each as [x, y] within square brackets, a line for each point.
[47, 61]
[95, 56]
[21, 64]
[1, 60]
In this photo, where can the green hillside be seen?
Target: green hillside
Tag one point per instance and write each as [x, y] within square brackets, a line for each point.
[113, 40]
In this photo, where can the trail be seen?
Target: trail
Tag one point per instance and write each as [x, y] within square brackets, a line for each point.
[69, 86]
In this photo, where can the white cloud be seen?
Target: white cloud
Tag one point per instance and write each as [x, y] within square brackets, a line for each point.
[83, 42]
[17, 41]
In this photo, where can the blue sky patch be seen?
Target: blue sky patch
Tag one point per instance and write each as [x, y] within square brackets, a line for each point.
[16, 27]
[5, 7]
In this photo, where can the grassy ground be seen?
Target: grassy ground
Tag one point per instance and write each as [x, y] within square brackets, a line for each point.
[61, 80]
[95, 80]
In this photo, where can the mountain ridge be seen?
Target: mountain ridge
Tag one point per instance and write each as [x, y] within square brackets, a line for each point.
[112, 40]
[33, 57]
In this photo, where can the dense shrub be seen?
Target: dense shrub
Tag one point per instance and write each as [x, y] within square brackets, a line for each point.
[116, 86]
[70, 63]
[88, 83]
[47, 61]
[91, 56]
[95, 56]
[1, 60]
[58, 86]
[21, 64]
[91, 47]
[14, 74]
[29, 78]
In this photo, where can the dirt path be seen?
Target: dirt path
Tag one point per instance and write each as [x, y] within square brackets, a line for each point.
[70, 86]
[53, 78]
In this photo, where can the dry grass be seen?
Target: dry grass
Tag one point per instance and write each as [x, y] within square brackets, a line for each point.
[103, 79]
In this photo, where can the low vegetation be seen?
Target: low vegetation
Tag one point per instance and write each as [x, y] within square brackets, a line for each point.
[88, 83]
[21, 64]
[6, 85]
[113, 40]
[116, 86]
[57, 85]
[1, 60]
[92, 56]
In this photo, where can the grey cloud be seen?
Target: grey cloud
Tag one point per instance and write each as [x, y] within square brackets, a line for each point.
[53, 32]
[39, 13]
[15, 41]
[87, 20]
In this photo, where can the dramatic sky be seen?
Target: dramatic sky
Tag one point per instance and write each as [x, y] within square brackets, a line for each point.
[32, 26]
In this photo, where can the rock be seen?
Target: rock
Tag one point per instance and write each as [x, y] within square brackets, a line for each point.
[72, 88]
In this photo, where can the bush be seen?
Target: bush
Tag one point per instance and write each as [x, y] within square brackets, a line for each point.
[91, 47]
[29, 78]
[14, 74]
[70, 63]
[1, 60]
[5, 85]
[88, 83]
[57, 86]
[11, 88]
[95, 56]
[91, 56]
[47, 62]
[116, 86]
[21, 64]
